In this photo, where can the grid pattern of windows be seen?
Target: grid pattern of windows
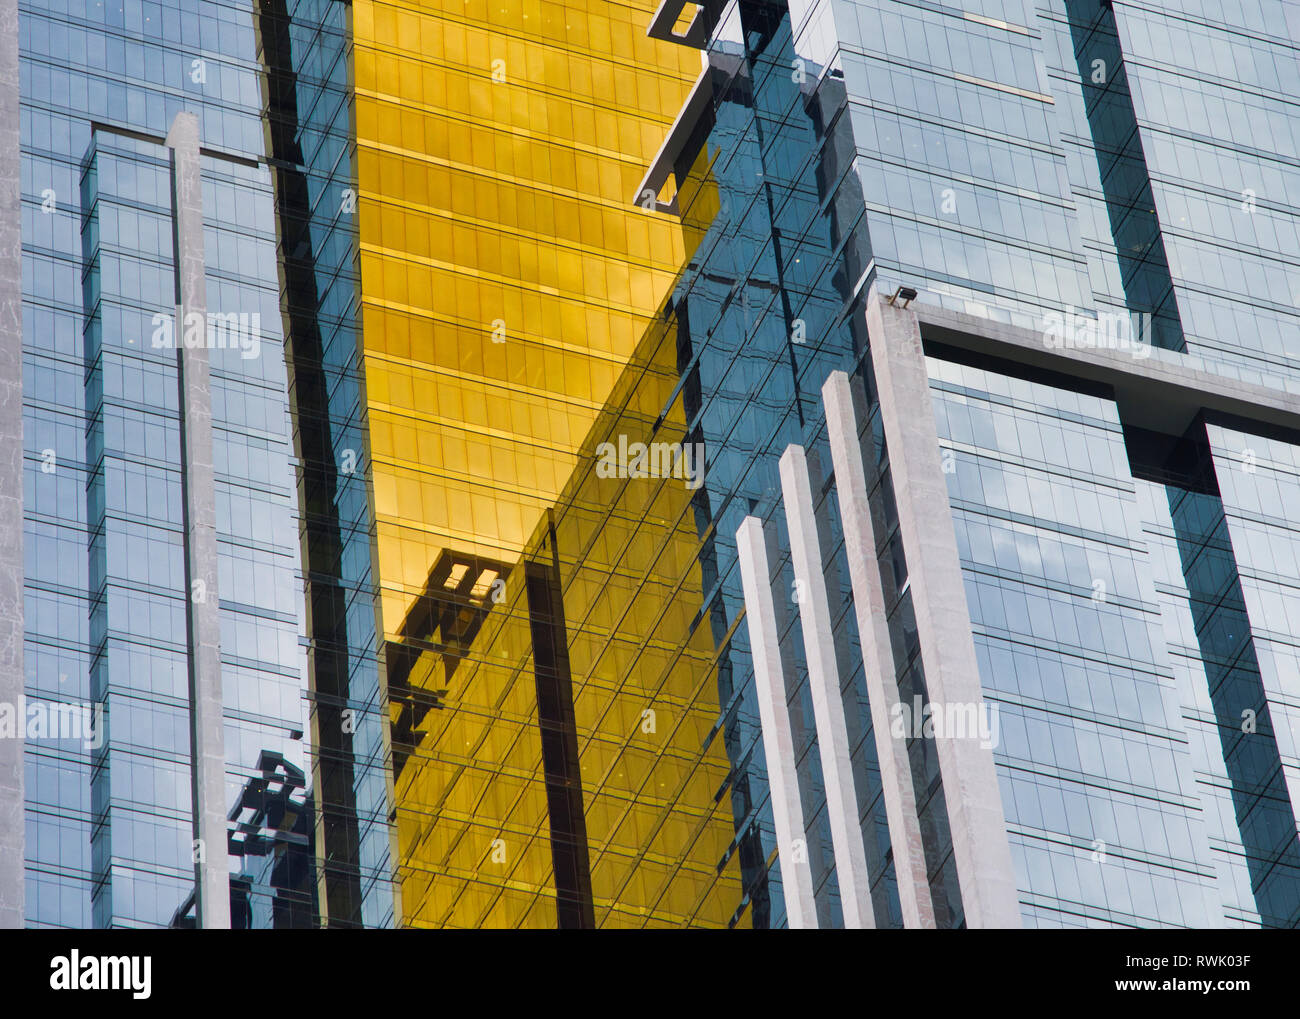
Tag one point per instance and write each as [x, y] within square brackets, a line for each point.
[1105, 825]
[507, 274]
[140, 784]
[676, 822]
[306, 48]
[105, 574]
[1214, 89]
[486, 422]
[959, 154]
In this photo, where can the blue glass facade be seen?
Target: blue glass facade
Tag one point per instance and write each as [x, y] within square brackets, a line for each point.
[306, 49]
[1092, 757]
[1020, 163]
[1014, 164]
[111, 839]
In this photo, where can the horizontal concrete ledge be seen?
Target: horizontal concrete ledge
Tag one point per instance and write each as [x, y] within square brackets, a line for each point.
[699, 104]
[697, 32]
[661, 167]
[103, 127]
[1159, 392]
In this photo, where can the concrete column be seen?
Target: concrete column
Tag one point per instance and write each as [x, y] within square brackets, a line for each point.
[981, 849]
[828, 701]
[12, 842]
[774, 715]
[877, 654]
[206, 717]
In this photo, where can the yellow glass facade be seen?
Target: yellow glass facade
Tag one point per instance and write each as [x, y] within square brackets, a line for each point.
[629, 558]
[506, 272]
[508, 279]
[473, 815]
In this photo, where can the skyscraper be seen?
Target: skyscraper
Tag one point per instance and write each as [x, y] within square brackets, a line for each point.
[735, 464]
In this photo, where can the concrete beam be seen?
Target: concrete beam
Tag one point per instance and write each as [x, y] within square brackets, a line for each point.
[828, 701]
[208, 745]
[860, 544]
[698, 104]
[669, 13]
[774, 715]
[1155, 389]
[981, 848]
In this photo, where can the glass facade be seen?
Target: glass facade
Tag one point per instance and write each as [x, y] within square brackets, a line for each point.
[306, 51]
[1092, 759]
[514, 310]
[110, 824]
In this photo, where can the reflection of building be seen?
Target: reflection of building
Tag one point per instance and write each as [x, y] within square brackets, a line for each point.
[973, 617]
[275, 888]
[507, 279]
[273, 837]
[437, 634]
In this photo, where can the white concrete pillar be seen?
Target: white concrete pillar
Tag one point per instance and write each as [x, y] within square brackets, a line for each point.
[208, 744]
[828, 702]
[981, 849]
[774, 715]
[877, 655]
